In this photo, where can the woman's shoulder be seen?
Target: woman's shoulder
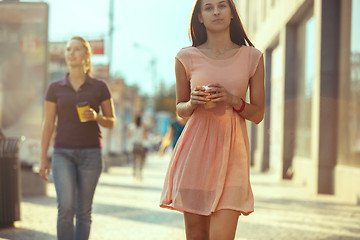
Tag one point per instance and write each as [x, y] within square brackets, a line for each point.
[97, 81]
[186, 51]
[251, 50]
[57, 83]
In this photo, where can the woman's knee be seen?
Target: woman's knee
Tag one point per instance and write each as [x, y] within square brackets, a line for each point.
[84, 216]
[197, 226]
[66, 204]
[197, 234]
[66, 211]
[223, 224]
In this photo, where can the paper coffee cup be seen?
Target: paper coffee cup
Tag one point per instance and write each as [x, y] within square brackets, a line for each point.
[81, 107]
[209, 104]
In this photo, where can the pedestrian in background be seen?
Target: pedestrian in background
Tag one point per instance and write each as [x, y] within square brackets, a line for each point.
[208, 176]
[173, 133]
[138, 133]
[76, 160]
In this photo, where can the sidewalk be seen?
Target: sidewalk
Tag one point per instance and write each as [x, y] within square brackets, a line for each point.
[128, 210]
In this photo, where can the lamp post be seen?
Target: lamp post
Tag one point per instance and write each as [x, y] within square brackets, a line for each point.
[111, 33]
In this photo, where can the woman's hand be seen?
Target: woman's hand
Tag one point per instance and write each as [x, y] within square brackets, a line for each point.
[220, 95]
[90, 114]
[44, 170]
[199, 96]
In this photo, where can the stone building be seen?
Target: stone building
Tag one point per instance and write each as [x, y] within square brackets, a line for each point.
[311, 129]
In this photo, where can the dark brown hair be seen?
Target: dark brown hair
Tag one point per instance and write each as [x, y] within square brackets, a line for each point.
[197, 30]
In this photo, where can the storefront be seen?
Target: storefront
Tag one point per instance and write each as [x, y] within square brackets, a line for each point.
[310, 132]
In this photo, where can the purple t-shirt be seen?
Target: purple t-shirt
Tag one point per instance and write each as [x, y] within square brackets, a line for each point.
[70, 132]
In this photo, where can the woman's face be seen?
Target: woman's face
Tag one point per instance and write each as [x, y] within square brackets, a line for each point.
[75, 54]
[215, 14]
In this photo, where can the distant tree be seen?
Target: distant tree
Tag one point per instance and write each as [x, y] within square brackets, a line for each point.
[165, 98]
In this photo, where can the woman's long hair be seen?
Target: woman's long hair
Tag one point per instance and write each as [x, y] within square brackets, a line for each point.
[197, 30]
[86, 44]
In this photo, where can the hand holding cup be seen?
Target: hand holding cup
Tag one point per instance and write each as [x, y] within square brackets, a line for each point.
[210, 90]
[81, 108]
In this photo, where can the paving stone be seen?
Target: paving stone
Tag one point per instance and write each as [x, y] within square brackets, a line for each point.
[128, 210]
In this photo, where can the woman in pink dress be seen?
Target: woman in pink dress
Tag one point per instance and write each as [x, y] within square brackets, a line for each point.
[208, 175]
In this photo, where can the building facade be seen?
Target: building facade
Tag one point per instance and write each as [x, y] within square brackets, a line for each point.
[311, 129]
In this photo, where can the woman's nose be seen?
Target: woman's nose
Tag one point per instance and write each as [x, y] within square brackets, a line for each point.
[216, 11]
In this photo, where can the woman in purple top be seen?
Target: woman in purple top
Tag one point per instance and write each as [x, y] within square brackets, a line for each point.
[76, 161]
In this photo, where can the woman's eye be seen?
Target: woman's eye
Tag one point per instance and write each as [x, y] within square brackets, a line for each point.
[208, 8]
[222, 6]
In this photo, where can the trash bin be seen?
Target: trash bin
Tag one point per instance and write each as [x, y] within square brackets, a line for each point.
[10, 190]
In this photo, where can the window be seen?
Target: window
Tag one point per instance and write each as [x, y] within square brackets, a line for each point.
[305, 78]
[354, 86]
[277, 96]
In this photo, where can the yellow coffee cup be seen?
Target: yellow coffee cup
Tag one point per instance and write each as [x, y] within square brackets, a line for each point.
[81, 107]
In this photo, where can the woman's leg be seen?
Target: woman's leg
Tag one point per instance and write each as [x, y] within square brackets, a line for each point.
[89, 170]
[223, 225]
[134, 162]
[64, 173]
[142, 163]
[138, 167]
[196, 226]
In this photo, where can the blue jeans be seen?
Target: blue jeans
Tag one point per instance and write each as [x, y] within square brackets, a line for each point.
[76, 173]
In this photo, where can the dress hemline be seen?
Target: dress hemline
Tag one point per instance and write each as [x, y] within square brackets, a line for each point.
[182, 210]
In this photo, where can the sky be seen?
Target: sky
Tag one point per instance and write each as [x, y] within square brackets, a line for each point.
[143, 30]
[355, 38]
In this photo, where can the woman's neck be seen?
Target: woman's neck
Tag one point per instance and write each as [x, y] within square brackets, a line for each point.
[77, 75]
[219, 41]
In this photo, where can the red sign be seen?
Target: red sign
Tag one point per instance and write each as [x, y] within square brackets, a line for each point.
[97, 47]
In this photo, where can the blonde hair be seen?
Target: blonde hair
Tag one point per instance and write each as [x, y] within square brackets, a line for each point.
[86, 44]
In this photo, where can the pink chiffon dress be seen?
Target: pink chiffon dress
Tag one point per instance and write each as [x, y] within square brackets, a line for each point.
[209, 167]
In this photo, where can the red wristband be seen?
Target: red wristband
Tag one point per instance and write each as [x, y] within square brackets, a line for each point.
[241, 108]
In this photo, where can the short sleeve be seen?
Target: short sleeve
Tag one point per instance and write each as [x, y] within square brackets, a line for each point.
[105, 91]
[50, 93]
[185, 60]
[255, 56]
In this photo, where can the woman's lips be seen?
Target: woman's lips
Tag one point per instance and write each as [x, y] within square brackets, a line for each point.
[218, 20]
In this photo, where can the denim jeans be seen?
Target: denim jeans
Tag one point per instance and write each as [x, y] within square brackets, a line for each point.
[76, 173]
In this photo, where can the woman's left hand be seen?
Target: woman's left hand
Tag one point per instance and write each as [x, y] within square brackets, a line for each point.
[221, 94]
[90, 114]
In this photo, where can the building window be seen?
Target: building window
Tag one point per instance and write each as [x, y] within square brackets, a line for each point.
[354, 86]
[276, 101]
[305, 78]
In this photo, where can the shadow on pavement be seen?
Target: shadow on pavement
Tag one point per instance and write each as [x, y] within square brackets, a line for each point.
[44, 200]
[168, 218]
[286, 230]
[340, 238]
[308, 206]
[14, 233]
